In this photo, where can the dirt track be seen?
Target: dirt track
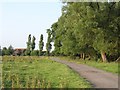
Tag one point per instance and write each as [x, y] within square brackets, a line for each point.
[98, 78]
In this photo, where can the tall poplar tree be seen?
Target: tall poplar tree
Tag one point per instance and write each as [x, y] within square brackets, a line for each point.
[28, 50]
[48, 44]
[10, 50]
[33, 43]
[41, 45]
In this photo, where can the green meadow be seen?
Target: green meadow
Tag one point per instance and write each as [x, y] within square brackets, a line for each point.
[38, 72]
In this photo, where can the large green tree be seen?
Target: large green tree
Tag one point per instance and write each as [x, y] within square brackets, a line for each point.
[83, 27]
[56, 39]
[106, 31]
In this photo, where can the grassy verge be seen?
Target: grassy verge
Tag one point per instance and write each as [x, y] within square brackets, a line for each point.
[36, 72]
[109, 67]
[0, 74]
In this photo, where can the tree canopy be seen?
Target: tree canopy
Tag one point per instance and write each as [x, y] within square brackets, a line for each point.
[88, 29]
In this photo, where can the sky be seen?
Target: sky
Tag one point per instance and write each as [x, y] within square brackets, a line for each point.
[19, 18]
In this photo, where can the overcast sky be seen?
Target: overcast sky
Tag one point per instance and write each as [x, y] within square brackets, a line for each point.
[23, 17]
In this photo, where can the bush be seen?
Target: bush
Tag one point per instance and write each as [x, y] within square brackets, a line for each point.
[35, 53]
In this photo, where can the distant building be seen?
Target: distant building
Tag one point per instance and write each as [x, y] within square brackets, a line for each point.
[19, 51]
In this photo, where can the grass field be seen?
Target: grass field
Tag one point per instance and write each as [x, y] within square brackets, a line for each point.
[109, 67]
[38, 72]
[0, 74]
[0, 70]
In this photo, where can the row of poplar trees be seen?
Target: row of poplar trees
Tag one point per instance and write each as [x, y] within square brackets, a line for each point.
[88, 30]
[31, 46]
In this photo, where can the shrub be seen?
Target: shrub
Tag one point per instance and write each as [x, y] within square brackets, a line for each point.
[35, 53]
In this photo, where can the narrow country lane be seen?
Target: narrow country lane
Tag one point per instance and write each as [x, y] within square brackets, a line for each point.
[97, 77]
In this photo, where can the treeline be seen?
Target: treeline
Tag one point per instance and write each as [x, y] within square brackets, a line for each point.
[30, 49]
[88, 30]
[31, 46]
[7, 51]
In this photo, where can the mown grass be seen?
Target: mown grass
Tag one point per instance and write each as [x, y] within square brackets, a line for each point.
[109, 67]
[36, 72]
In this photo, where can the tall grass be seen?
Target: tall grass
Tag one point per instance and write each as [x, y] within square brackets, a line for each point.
[38, 72]
[15, 81]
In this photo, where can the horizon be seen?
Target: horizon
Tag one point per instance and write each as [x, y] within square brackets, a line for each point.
[19, 19]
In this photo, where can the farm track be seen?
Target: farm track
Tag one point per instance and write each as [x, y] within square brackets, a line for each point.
[98, 78]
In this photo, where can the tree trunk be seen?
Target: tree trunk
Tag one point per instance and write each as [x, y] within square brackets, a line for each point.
[83, 56]
[89, 57]
[118, 60]
[103, 57]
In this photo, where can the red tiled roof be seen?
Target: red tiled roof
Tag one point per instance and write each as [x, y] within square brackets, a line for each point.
[20, 48]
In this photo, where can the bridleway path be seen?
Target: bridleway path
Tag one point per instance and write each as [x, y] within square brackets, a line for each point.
[98, 78]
